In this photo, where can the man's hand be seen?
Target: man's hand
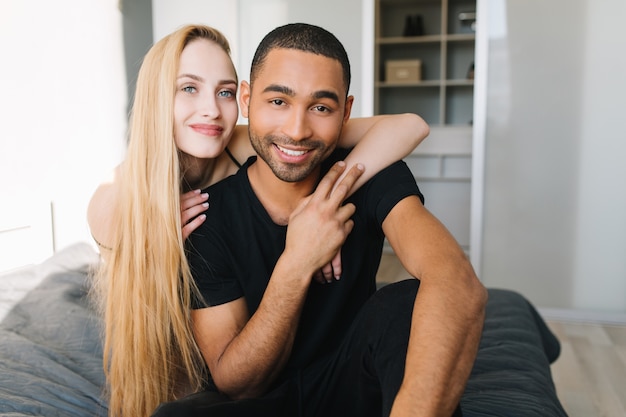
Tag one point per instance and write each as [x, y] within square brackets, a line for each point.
[320, 224]
[192, 204]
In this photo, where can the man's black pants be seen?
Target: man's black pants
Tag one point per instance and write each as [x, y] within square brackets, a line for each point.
[360, 379]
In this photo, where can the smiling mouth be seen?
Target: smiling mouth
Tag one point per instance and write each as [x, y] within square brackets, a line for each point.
[291, 152]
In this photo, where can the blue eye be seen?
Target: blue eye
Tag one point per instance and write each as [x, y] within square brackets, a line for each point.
[189, 89]
[226, 93]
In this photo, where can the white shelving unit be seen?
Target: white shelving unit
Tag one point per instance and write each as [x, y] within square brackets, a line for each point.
[443, 96]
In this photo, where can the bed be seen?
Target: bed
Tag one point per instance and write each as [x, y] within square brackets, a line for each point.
[50, 351]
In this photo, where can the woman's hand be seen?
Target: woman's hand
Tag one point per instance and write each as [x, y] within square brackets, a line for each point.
[331, 271]
[193, 204]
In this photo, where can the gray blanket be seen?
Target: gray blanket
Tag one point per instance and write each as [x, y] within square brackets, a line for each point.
[50, 352]
[51, 356]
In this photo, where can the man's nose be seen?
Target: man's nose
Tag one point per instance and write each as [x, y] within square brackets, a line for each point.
[297, 125]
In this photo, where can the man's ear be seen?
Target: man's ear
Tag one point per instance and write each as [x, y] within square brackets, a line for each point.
[348, 109]
[244, 98]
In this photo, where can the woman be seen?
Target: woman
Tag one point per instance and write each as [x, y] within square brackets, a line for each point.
[183, 119]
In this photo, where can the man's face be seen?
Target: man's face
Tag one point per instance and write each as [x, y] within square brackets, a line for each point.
[296, 108]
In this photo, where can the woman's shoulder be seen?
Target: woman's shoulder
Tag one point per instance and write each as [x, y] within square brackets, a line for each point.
[101, 209]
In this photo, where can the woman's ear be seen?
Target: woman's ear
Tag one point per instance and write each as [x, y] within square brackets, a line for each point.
[244, 98]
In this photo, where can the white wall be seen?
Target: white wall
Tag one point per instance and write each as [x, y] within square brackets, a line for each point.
[245, 22]
[168, 15]
[600, 251]
[554, 219]
[64, 93]
[63, 106]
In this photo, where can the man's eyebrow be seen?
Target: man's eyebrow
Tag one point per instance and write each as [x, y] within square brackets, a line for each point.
[326, 94]
[277, 88]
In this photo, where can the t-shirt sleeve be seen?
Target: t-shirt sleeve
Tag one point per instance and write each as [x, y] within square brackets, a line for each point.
[389, 187]
[208, 256]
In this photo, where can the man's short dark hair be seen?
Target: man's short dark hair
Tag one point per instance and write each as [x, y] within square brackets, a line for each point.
[303, 37]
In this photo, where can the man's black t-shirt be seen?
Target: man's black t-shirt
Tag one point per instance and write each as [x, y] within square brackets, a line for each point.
[233, 253]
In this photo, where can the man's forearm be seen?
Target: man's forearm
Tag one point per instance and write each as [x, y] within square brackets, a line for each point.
[256, 356]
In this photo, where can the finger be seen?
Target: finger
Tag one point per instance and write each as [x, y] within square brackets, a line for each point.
[347, 227]
[193, 225]
[343, 188]
[327, 271]
[192, 212]
[189, 194]
[328, 181]
[188, 199]
[336, 265]
[346, 211]
[194, 200]
[319, 277]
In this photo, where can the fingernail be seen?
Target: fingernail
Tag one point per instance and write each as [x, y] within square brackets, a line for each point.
[341, 163]
[197, 191]
[360, 167]
[205, 204]
[337, 277]
[205, 195]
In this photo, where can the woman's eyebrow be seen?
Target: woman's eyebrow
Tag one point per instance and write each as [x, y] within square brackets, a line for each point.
[192, 76]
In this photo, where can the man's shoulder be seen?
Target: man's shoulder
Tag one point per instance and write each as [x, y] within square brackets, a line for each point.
[385, 189]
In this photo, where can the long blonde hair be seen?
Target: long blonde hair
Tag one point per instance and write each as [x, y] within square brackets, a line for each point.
[145, 287]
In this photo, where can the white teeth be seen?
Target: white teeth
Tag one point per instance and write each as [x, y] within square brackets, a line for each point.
[291, 152]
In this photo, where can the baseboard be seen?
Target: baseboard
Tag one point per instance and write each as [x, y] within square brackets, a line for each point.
[583, 316]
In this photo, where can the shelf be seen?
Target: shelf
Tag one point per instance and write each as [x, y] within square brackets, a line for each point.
[459, 37]
[452, 37]
[459, 83]
[399, 40]
[428, 83]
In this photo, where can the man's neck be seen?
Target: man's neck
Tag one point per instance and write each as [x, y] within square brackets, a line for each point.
[279, 198]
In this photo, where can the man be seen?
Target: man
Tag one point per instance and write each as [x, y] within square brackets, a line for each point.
[279, 343]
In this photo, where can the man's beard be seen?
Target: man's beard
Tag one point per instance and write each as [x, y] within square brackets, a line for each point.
[264, 147]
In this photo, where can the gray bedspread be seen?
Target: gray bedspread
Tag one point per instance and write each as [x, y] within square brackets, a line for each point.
[51, 356]
[50, 350]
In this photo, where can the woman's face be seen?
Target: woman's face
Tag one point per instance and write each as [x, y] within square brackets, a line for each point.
[205, 103]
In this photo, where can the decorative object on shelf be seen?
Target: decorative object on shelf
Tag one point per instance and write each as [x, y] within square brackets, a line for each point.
[469, 19]
[413, 25]
[470, 72]
[402, 71]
